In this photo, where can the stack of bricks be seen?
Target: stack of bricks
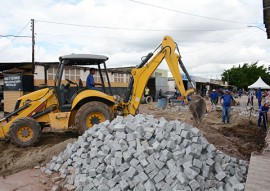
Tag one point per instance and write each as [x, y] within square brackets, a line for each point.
[144, 153]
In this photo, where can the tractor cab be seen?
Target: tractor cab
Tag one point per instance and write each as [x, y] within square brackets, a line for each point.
[68, 89]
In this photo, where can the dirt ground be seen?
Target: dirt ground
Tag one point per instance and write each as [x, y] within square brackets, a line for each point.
[239, 139]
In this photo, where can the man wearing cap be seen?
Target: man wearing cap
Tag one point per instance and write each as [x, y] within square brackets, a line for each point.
[226, 106]
[263, 114]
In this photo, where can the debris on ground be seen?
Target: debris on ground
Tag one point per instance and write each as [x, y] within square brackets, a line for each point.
[143, 152]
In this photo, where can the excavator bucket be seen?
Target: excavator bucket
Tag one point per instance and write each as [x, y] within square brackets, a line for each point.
[197, 106]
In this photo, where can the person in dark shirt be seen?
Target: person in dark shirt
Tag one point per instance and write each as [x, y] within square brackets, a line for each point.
[263, 114]
[225, 99]
[90, 82]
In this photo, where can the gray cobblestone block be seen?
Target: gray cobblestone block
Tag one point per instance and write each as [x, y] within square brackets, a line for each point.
[131, 172]
[233, 180]
[109, 169]
[139, 168]
[143, 177]
[239, 187]
[220, 176]
[153, 173]
[149, 186]
[150, 158]
[156, 145]
[139, 187]
[159, 185]
[190, 173]
[159, 177]
[169, 180]
[186, 143]
[103, 188]
[187, 164]
[194, 184]
[159, 164]
[118, 154]
[197, 163]
[171, 145]
[149, 168]
[134, 162]
[132, 143]
[111, 183]
[144, 162]
[166, 186]
[123, 167]
[210, 162]
[120, 135]
[124, 185]
[182, 178]
[171, 164]
[185, 134]
[56, 167]
[127, 155]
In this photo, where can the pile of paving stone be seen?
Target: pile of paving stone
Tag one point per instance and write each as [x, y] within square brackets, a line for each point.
[143, 153]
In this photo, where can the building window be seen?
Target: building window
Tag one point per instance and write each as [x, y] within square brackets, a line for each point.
[51, 73]
[118, 77]
[128, 77]
[97, 77]
[72, 74]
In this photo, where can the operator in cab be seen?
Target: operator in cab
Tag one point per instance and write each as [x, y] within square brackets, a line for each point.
[90, 82]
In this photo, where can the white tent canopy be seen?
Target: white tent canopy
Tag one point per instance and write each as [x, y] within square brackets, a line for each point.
[259, 84]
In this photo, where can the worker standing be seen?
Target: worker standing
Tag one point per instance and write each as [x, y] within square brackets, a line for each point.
[226, 106]
[263, 114]
[146, 92]
[214, 97]
[259, 96]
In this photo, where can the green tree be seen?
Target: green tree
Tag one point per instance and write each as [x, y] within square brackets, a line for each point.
[245, 75]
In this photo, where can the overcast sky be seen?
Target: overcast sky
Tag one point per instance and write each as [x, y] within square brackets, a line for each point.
[212, 35]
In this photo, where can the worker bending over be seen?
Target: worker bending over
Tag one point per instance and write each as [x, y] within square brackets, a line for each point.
[263, 114]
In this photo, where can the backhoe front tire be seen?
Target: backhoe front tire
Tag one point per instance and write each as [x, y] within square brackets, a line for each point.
[24, 132]
[92, 113]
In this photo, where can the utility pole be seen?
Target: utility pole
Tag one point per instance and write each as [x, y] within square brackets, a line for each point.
[33, 45]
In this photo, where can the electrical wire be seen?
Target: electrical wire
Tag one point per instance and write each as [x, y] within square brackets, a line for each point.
[14, 37]
[17, 36]
[136, 29]
[191, 14]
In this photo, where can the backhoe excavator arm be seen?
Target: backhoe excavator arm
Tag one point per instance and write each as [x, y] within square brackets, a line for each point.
[142, 73]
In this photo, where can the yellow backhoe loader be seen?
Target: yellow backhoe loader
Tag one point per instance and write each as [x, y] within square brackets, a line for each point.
[50, 107]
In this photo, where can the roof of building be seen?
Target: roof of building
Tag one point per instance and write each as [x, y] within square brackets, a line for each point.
[266, 16]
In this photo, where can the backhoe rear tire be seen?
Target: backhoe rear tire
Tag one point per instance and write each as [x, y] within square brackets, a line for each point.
[90, 114]
[24, 132]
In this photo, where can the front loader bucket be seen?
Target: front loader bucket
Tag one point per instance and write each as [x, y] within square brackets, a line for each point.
[197, 106]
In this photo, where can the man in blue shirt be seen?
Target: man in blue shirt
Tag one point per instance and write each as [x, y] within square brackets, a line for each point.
[259, 96]
[226, 106]
[214, 97]
[90, 82]
[263, 113]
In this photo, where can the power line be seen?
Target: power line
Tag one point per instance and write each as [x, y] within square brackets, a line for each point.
[191, 14]
[136, 29]
[14, 37]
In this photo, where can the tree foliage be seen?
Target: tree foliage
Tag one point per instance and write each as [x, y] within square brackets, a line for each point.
[243, 76]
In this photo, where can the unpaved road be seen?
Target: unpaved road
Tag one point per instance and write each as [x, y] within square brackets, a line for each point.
[239, 139]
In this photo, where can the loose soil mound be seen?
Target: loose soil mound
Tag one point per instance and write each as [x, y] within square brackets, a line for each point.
[14, 159]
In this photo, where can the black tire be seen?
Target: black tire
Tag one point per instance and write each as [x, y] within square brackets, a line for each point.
[24, 132]
[86, 113]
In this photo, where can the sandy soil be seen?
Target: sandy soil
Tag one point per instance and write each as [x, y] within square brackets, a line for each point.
[239, 139]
